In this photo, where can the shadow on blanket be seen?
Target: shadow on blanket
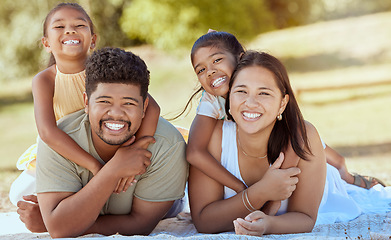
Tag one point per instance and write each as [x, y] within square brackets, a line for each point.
[369, 226]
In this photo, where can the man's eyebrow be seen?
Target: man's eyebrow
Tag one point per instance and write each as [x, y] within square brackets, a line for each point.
[131, 98]
[126, 98]
[103, 96]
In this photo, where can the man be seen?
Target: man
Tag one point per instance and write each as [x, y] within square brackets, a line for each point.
[71, 200]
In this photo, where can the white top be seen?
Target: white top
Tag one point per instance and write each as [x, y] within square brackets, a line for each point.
[211, 106]
[229, 160]
[341, 201]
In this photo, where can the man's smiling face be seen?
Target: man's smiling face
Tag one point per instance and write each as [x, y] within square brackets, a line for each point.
[115, 112]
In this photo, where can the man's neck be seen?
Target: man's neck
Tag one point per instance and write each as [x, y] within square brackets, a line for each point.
[104, 150]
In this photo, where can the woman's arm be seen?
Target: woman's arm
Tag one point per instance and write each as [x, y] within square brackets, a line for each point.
[197, 153]
[303, 204]
[43, 92]
[211, 213]
[150, 120]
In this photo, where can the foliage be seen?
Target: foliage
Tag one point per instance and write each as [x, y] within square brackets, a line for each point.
[169, 24]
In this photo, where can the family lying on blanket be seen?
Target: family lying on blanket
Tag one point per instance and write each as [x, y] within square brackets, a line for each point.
[111, 165]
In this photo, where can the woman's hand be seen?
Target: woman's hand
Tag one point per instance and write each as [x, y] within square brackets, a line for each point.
[255, 224]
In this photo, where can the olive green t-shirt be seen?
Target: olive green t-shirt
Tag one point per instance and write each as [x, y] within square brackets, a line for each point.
[164, 180]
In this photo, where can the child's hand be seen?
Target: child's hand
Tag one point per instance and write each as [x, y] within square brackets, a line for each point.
[124, 184]
[97, 168]
[241, 187]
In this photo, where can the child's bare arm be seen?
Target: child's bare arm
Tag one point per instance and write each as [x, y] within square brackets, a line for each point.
[147, 128]
[150, 120]
[43, 92]
[197, 153]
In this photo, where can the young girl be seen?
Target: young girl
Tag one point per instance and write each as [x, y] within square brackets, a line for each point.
[68, 34]
[214, 57]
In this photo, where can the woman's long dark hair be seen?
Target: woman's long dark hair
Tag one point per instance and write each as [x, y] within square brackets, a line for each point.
[75, 6]
[223, 40]
[291, 129]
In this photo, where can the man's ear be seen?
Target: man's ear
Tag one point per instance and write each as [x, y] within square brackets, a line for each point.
[145, 105]
[46, 45]
[85, 97]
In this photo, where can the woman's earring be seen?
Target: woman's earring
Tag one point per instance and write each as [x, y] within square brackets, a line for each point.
[229, 111]
[279, 117]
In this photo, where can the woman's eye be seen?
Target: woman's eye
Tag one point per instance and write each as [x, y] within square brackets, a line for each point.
[264, 94]
[81, 25]
[59, 27]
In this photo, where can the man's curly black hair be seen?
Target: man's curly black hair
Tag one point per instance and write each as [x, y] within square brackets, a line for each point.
[114, 65]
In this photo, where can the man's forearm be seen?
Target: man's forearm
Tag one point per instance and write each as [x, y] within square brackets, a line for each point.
[77, 212]
[141, 221]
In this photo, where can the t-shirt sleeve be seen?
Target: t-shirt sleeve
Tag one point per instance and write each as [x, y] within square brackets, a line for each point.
[166, 177]
[54, 172]
[209, 106]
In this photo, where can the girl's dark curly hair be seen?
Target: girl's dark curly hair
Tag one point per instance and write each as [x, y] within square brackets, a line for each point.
[114, 65]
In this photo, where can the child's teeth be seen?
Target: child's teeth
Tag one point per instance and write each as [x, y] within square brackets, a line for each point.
[71, 42]
[218, 81]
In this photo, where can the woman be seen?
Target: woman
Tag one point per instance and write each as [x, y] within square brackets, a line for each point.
[266, 118]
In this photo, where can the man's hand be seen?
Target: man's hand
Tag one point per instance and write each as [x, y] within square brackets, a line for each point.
[30, 214]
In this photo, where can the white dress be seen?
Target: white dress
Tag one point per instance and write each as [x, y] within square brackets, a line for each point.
[340, 202]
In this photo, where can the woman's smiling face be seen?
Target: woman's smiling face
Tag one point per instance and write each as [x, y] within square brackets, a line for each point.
[255, 99]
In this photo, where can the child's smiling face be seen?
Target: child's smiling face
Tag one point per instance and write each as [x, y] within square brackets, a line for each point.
[214, 67]
[68, 33]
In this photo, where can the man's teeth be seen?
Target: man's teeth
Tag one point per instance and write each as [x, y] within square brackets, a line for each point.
[251, 115]
[114, 126]
[71, 42]
[218, 81]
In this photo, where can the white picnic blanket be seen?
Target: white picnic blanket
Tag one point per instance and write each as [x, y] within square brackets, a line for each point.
[368, 226]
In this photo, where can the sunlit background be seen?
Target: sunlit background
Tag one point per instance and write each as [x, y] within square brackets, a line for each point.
[337, 52]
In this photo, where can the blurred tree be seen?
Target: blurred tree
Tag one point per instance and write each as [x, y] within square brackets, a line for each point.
[336, 9]
[171, 24]
[106, 15]
[290, 13]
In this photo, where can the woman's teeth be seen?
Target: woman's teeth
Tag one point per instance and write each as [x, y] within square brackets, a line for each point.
[251, 115]
[114, 126]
